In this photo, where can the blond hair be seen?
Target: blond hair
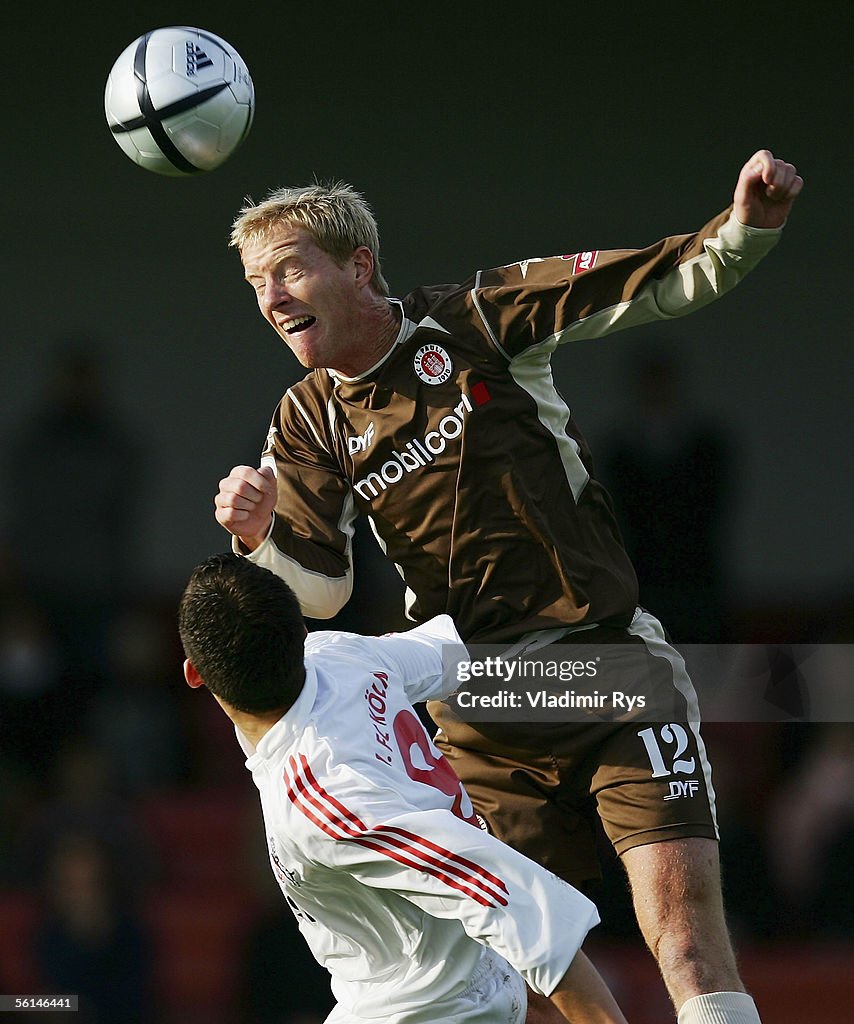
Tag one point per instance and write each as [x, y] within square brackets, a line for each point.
[336, 216]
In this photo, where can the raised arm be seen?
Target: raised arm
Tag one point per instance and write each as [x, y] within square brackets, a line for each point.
[454, 870]
[294, 514]
[533, 306]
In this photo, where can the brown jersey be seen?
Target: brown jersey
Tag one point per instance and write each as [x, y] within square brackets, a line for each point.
[463, 454]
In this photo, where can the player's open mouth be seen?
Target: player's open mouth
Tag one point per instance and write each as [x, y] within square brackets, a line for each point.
[299, 323]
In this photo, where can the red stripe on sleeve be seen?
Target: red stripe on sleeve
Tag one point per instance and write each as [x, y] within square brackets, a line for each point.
[338, 821]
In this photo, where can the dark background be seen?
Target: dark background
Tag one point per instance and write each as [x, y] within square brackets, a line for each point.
[481, 135]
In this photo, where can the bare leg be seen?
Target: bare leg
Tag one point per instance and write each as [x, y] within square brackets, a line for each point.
[676, 890]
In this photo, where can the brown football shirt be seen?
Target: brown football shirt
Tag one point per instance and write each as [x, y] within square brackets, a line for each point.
[464, 455]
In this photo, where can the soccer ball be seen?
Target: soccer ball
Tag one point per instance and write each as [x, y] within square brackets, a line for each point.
[179, 100]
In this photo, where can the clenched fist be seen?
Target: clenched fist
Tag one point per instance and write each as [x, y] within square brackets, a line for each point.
[766, 189]
[244, 503]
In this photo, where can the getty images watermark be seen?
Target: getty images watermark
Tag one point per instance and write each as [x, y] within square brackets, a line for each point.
[626, 682]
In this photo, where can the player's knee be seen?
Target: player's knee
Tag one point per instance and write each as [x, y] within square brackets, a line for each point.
[683, 923]
[679, 948]
[686, 924]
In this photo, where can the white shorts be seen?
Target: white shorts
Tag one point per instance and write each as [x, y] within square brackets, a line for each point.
[495, 995]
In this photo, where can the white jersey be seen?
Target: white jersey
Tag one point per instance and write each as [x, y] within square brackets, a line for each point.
[376, 846]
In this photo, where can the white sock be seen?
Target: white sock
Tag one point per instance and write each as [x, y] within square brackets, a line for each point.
[719, 1008]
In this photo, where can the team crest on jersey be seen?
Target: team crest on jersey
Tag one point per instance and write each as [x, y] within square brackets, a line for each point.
[433, 364]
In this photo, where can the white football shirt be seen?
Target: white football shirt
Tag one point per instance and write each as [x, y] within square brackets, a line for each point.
[375, 843]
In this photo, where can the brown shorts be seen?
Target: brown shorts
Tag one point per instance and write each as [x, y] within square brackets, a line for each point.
[538, 786]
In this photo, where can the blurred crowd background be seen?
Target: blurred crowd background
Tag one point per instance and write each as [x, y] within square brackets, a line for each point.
[135, 372]
[132, 863]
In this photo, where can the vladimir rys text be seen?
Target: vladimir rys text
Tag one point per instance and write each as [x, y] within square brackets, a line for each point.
[542, 699]
[493, 687]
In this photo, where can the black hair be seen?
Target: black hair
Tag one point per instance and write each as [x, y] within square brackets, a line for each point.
[242, 628]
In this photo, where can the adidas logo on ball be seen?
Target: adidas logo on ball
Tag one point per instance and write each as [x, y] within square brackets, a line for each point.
[196, 58]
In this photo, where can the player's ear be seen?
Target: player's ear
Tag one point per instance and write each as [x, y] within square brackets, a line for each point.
[191, 674]
[363, 261]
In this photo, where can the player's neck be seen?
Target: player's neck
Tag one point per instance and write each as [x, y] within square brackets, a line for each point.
[381, 327]
[253, 726]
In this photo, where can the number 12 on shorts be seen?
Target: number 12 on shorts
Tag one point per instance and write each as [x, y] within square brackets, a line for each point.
[671, 735]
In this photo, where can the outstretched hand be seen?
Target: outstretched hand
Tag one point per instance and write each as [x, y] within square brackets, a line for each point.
[766, 189]
[245, 502]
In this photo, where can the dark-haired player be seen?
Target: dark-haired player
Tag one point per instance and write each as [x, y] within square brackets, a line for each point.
[415, 910]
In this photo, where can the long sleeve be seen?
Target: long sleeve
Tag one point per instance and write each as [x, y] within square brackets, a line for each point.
[310, 541]
[453, 870]
[543, 303]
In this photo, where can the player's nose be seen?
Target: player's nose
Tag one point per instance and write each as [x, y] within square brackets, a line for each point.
[275, 296]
